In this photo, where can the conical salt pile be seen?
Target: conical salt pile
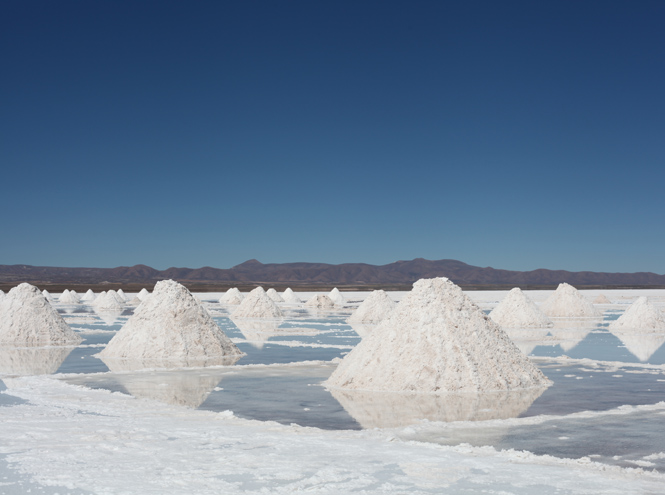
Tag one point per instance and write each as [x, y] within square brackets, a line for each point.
[143, 294]
[375, 308]
[47, 295]
[601, 299]
[68, 297]
[170, 325]
[272, 294]
[290, 297]
[257, 304]
[567, 302]
[641, 315]
[232, 296]
[108, 300]
[88, 296]
[518, 311]
[321, 301]
[337, 297]
[437, 340]
[121, 295]
[27, 319]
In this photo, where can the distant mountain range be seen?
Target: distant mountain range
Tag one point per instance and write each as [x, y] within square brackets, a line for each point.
[314, 274]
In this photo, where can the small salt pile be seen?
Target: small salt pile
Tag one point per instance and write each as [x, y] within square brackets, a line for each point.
[232, 296]
[290, 297]
[437, 340]
[601, 299]
[641, 315]
[567, 302]
[272, 294]
[108, 300]
[257, 304]
[320, 301]
[88, 296]
[27, 318]
[518, 311]
[47, 295]
[68, 297]
[336, 297]
[143, 294]
[375, 308]
[121, 294]
[170, 325]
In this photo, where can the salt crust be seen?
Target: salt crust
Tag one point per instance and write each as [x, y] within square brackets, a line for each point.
[567, 302]
[290, 297]
[232, 296]
[88, 296]
[375, 308]
[272, 294]
[641, 315]
[28, 319]
[170, 325]
[257, 304]
[108, 300]
[321, 301]
[436, 341]
[337, 297]
[516, 310]
[68, 297]
[143, 294]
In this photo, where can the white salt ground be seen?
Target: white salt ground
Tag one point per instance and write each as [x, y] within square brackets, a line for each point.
[567, 302]
[437, 340]
[274, 295]
[28, 319]
[321, 301]
[257, 304]
[641, 315]
[516, 310]
[375, 308]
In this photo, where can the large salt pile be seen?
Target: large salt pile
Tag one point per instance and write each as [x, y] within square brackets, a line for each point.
[274, 295]
[602, 299]
[257, 304]
[436, 340]
[143, 294]
[337, 297]
[108, 300]
[232, 296]
[518, 311]
[567, 302]
[641, 315]
[320, 301]
[27, 318]
[68, 297]
[375, 308]
[290, 297]
[2, 295]
[88, 296]
[171, 325]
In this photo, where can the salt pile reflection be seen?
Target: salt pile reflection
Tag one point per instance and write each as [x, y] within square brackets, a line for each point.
[640, 344]
[32, 361]
[124, 364]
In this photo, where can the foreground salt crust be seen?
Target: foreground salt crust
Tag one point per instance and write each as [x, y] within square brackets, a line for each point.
[641, 315]
[567, 302]
[320, 301]
[375, 308]
[170, 325]
[28, 319]
[257, 304]
[516, 310]
[437, 340]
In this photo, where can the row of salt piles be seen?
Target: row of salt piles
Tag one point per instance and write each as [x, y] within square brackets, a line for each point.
[322, 301]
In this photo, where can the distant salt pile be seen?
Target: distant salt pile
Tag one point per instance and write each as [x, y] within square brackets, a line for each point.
[436, 340]
[232, 296]
[274, 295]
[257, 304]
[47, 295]
[69, 297]
[320, 301]
[108, 300]
[567, 302]
[374, 309]
[290, 297]
[170, 325]
[135, 301]
[641, 315]
[601, 299]
[518, 311]
[88, 296]
[143, 294]
[337, 297]
[27, 319]
[121, 294]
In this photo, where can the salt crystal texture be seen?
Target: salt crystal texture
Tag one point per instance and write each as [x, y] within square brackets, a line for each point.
[272, 294]
[68, 297]
[337, 297]
[436, 341]
[516, 310]
[143, 294]
[641, 315]
[375, 308]
[88, 296]
[27, 318]
[232, 296]
[170, 325]
[257, 304]
[290, 297]
[601, 299]
[567, 302]
[321, 301]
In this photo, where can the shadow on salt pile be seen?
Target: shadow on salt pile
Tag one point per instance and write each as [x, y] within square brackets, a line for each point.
[32, 361]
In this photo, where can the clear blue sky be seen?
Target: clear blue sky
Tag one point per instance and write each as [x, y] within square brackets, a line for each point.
[517, 135]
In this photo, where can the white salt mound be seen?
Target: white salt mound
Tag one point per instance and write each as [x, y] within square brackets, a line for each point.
[601, 299]
[641, 315]
[375, 308]
[232, 296]
[437, 340]
[88, 296]
[321, 301]
[272, 294]
[27, 319]
[337, 297]
[108, 300]
[170, 325]
[290, 297]
[518, 311]
[567, 302]
[2, 294]
[143, 294]
[121, 295]
[257, 304]
[68, 297]
[47, 295]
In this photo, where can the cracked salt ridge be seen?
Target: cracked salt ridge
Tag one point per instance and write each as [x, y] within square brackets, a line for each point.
[212, 453]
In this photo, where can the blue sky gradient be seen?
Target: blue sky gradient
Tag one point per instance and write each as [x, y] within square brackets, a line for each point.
[517, 135]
